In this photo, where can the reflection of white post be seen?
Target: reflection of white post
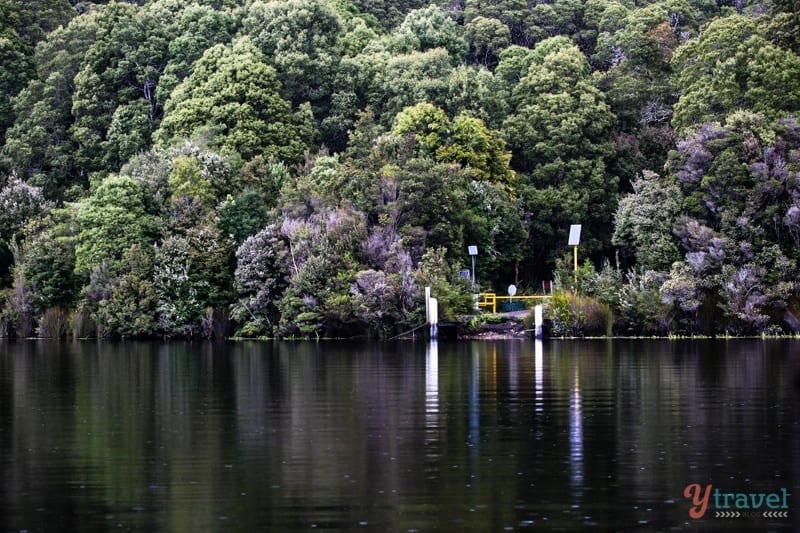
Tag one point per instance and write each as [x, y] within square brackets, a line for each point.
[433, 317]
[576, 432]
[537, 362]
[432, 387]
[538, 321]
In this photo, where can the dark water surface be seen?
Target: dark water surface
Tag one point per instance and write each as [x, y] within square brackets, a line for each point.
[482, 436]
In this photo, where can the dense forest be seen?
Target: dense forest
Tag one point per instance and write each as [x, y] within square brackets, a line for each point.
[202, 168]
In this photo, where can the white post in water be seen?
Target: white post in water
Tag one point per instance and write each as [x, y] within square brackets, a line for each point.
[433, 317]
[538, 321]
[428, 305]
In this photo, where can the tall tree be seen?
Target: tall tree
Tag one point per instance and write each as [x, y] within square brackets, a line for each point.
[234, 97]
[737, 232]
[644, 220]
[16, 65]
[120, 75]
[300, 39]
[196, 28]
[39, 144]
[559, 134]
[429, 28]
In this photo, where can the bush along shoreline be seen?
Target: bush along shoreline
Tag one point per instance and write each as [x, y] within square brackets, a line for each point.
[602, 307]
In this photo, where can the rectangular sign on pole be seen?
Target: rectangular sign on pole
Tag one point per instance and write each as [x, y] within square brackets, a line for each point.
[574, 235]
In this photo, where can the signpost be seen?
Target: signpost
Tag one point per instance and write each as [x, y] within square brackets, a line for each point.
[574, 240]
[473, 251]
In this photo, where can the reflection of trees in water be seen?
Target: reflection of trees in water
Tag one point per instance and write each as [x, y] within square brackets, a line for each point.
[499, 432]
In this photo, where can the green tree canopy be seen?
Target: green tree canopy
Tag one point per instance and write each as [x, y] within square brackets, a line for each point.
[465, 140]
[112, 220]
[121, 68]
[39, 144]
[235, 96]
[300, 39]
[733, 66]
[559, 132]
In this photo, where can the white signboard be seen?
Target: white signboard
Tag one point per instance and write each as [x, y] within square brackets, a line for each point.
[574, 235]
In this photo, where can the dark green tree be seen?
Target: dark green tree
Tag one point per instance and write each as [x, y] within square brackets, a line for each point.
[559, 133]
[131, 304]
[644, 220]
[300, 39]
[119, 76]
[247, 116]
[39, 145]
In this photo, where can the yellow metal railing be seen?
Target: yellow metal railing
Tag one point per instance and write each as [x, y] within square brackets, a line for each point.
[490, 299]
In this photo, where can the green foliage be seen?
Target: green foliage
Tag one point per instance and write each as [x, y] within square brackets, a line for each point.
[644, 220]
[413, 78]
[112, 220]
[474, 91]
[465, 140]
[234, 93]
[487, 36]
[211, 257]
[494, 223]
[452, 292]
[178, 306]
[119, 75]
[197, 28]
[559, 133]
[18, 308]
[430, 28]
[49, 263]
[186, 180]
[39, 144]
[16, 68]
[131, 307]
[244, 215]
[574, 315]
[300, 39]
[352, 150]
[641, 310]
[733, 66]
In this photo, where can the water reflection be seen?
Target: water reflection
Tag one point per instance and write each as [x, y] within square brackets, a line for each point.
[432, 384]
[474, 439]
[538, 379]
[485, 435]
[576, 432]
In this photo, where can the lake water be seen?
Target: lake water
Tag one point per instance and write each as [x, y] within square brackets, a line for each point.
[481, 436]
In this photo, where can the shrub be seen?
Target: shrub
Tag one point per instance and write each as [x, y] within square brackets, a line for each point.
[574, 315]
[54, 323]
[82, 324]
[641, 309]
